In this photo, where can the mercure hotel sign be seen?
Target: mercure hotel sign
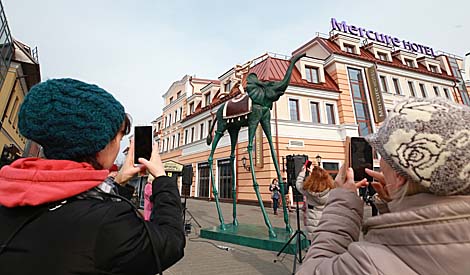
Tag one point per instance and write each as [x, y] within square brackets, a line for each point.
[380, 37]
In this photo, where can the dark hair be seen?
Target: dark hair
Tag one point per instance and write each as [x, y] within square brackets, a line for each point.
[275, 179]
[125, 130]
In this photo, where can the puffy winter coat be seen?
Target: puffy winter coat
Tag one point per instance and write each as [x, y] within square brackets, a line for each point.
[422, 234]
[47, 229]
[315, 203]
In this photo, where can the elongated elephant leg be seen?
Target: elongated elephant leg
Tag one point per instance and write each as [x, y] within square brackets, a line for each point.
[233, 140]
[266, 124]
[251, 135]
[217, 137]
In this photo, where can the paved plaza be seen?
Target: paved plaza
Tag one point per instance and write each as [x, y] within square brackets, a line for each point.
[203, 257]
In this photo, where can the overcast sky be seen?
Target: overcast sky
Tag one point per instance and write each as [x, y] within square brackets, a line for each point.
[137, 49]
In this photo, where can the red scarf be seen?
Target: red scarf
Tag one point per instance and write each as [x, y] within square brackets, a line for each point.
[34, 181]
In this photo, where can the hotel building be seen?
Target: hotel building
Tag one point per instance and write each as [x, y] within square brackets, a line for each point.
[343, 87]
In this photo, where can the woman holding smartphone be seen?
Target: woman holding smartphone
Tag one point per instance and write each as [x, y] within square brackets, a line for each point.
[61, 214]
[424, 186]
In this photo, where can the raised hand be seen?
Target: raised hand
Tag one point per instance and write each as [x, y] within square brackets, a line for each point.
[345, 179]
[154, 165]
[128, 170]
[379, 185]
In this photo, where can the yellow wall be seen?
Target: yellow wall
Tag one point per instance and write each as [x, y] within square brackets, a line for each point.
[11, 92]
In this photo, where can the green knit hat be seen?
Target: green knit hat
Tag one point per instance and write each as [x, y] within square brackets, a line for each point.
[69, 118]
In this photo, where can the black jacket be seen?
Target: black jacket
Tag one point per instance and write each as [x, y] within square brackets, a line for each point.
[92, 236]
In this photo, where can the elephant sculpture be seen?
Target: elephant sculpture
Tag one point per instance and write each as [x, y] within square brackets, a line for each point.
[262, 95]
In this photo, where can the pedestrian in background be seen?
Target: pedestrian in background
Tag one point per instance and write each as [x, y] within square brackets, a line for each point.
[61, 215]
[424, 189]
[148, 205]
[315, 188]
[275, 194]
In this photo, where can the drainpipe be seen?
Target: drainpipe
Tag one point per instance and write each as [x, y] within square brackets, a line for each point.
[277, 133]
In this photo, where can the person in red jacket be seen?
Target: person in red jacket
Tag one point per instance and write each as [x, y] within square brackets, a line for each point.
[62, 214]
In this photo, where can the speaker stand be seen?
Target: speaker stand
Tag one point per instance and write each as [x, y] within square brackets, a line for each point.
[185, 209]
[298, 237]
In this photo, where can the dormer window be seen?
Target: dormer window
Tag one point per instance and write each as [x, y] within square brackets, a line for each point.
[433, 68]
[409, 62]
[382, 56]
[227, 86]
[207, 99]
[311, 74]
[191, 107]
[349, 48]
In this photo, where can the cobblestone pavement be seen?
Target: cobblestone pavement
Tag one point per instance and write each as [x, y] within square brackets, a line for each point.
[203, 257]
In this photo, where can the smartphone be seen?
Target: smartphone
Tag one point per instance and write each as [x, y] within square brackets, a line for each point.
[143, 141]
[308, 163]
[360, 158]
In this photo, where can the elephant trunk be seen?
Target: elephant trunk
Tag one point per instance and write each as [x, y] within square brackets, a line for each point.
[281, 86]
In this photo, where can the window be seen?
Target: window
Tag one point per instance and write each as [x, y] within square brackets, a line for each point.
[330, 113]
[159, 124]
[171, 99]
[361, 108]
[201, 131]
[433, 69]
[294, 109]
[228, 86]
[181, 113]
[315, 112]
[11, 118]
[349, 48]
[207, 99]
[423, 90]
[191, 107]
[436, 90]
[178, 140]
[167, 143]
[176, 115]
[383, 82]
[409, 62]
[311, 74]
[225, 179]
[173, 146]
[382, 56]
[163, 147]
[178, 94]
[186, 136]
[192, 134]
[331, 167]
[203, 175]
[396, 84]
[412, 88]
[446, 92]
[169, 120]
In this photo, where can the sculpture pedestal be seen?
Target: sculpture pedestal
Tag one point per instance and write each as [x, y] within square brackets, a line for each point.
[255, 236]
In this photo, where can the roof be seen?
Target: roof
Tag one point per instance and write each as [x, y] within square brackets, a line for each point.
[273, 69]
[30, 65]
[368, 56]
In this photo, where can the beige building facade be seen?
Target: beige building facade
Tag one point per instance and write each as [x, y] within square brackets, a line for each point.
[343, 87]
